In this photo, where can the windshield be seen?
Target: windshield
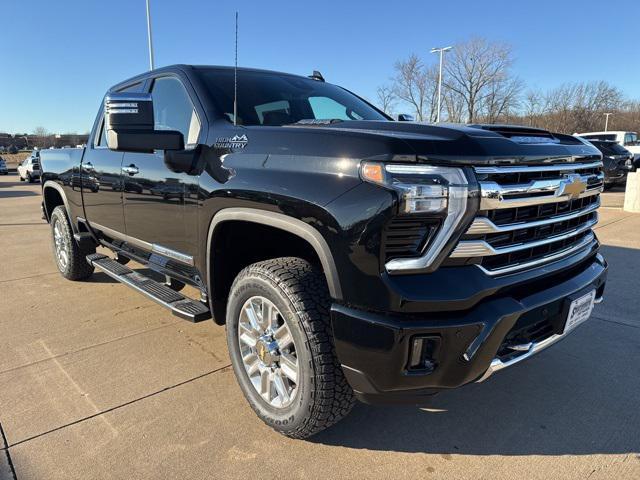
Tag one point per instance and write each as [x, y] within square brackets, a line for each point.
[611, 148]
[600, 137]
[266, 98]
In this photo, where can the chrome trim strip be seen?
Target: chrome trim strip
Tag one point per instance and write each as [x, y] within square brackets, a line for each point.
[121, 236]
[559, 255]
[536, 347]
[151, 247]
[537, 168]
[167, 252]
[484, 225]
[481, 248]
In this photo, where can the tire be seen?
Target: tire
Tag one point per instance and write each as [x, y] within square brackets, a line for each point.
[299, 293]
[70, 258]
[29, 179]
[20, 177]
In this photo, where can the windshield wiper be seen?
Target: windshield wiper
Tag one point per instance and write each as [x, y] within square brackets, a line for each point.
[317, 121]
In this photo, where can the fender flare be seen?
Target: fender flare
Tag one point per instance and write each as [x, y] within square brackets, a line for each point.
[288, 224]
[56, 186]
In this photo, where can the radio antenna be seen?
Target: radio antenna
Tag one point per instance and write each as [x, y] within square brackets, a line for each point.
[235, 80]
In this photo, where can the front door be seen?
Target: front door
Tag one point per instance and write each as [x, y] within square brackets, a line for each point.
[154, 197]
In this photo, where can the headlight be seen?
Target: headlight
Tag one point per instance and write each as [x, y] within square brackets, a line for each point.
[423, 189]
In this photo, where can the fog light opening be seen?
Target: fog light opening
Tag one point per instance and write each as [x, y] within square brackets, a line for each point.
[423, 354]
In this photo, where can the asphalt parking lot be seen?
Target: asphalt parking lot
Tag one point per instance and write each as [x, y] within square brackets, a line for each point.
[98, 382]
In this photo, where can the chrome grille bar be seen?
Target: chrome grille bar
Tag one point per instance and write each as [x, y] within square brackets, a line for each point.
[559, 167]
[483, 225]
[588, 240]
[480, 248]
[495, 196]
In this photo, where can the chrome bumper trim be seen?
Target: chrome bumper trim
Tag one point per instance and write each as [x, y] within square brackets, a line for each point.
[529, 350]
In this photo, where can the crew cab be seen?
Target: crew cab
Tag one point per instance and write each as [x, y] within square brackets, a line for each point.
[350, 256]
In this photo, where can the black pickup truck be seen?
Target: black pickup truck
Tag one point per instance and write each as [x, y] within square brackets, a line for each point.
[349, 255]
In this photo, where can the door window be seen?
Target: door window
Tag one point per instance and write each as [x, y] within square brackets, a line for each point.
[630, 139]
[173, 110]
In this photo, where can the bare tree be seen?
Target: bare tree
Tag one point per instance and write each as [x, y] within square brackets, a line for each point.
[532, 106]
[41, 135]
[502, 98]
[386, 99]
[476, 70]
[414, 85]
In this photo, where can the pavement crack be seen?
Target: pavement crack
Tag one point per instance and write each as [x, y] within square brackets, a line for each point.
[611, 222]
[614, 322]
[88, 347]
[29, 276]
[5, 447]
[117, 407]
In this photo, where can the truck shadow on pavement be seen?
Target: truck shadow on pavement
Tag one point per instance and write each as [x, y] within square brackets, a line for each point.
[579, 397]
[18, 193]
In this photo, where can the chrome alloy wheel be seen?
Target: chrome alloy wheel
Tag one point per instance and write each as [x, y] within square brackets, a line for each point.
[60, 245]
[268, 351]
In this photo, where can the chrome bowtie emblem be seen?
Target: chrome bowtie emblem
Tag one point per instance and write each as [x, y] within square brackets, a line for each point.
[573, 186]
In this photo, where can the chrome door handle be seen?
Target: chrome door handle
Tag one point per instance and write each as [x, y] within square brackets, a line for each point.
[131, 169]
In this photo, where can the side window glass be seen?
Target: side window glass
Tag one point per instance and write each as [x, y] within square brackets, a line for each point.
[101, 140]
[173, 110]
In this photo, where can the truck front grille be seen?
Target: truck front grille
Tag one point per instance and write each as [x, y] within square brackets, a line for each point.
[532, 215]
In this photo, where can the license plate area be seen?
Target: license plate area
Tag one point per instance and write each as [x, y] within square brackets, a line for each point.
[579, 310]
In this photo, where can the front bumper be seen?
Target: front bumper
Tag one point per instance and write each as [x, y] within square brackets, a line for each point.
[374, 348]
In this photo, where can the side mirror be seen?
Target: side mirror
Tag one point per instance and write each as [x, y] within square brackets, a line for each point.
[130, 126]
[404, 117]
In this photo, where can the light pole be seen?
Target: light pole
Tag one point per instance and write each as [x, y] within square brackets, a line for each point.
[441, 50]
[149, 37]
[606, 121]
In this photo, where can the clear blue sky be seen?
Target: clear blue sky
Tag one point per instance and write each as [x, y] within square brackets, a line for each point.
[59, 57]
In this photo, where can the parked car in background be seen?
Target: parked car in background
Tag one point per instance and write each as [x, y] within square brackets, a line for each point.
[617, 161]
[29, 168]
[3, 167]
[628, 140]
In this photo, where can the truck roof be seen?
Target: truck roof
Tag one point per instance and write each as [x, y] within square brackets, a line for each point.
[186, 67]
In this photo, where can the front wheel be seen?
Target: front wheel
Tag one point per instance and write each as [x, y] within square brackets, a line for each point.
[70, 258]
[281, 346]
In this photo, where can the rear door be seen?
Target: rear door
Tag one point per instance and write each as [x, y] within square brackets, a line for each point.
[100, 178]
[157, 209]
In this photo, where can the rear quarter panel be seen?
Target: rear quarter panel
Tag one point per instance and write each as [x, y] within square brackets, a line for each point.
[60, 166]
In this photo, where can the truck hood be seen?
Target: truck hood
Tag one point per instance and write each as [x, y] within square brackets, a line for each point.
[417, 142]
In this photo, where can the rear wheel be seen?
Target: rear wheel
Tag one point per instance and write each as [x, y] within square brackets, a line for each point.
[70, 258]
[281, 345]
[29, 179]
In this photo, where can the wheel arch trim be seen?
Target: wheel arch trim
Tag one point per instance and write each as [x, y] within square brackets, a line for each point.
[60, 190]
[282, 222]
